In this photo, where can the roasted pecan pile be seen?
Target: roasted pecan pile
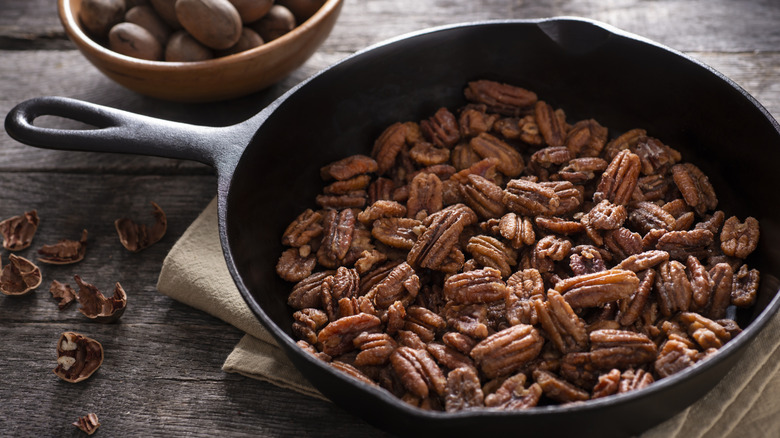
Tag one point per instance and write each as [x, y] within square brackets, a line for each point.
[499, 256]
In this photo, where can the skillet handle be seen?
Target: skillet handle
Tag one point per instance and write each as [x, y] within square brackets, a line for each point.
[125, 132]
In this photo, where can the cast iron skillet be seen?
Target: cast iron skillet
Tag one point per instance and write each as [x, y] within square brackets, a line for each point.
[268, 169]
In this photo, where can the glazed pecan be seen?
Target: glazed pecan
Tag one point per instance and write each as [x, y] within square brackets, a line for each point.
[519, 231]
[552, 128]
[605, 216]
[303, 229]
[381, 209]
[394, 138]
[380, 189]
[443, 231]
[426, 154]
[745, 290]
[673, 288]
[586, 138]
[631, 380]
[500, 98]
[307, 292]
[581, 170]
[418, 371]
[655, 187]
[599, 288]
[564, 328]
[351, 371]
[530, 198]
[646, 216]
[526, 283]
[627, 140]
[375, 348]
[424, 322]
[512, 394]
[459, 341]
[478, 286]
[344, 283]
[578, 369]
[701, 283]
[656, 157]
[548, 250]
[644, 260]
[336, 338]
[505, 352]
[349, 167]
[337, 233]
[400, 284]
[442, 129]
[486, 168]
[483, 196]
[558, 389]
[620, 349]
[681, 244]
[558, 225]
[463, 156]
[673, 357]
[623, 242]
[631, 308]
[357, 199]
[586, 259]
[618, 182]
[468, 319]
[528, 131]
[739, 239]
[551, 156]
[448, 357]
[397, 232]
[474, 120]
[307, 323]
[510, 162]
[712, 222]
[293, 266]
[706, 332]
[355, 184]
[695, 187]
[607, 385]
[424, 195]
[464, 390]
[490, 252]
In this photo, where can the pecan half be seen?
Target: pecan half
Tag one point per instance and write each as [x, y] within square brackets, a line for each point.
[375, 348]
[418, 372]
[745, 290]
[656, 157]
[620, 349]
[478, 286]
[337, 337]
[558, 389]
[530, 198]
[647, 216]
[389, 144]
[397, 232]
[564, 328]
[352, 185]
[337, 233]
[307, 323]
[518, 230]
[483, 196]
[400, 284]
[618, 182]
[722, 277]
[425, 195]
[293, 266]
[303, 229]
[381, 209]
[591, 290]
[681, 244]
[349, 167]
[510, 162]
[489, 251]
[631, 380]
[673, 288]
[642, 261]
[474, 120]
[443, 231]
[608, 384]
[513, 395]
[498, 97]
[426, 154]
[605, 216]
[739, 239]
[441, 128]
[552, 128]
[695, 187]
[586, 138]
[505, 352]
[464, 390]
[674, 357]
[307, 292]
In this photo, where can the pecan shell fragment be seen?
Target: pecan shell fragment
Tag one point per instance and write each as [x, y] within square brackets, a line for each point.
[18, 231]
[19, 276]
[135, 237]
[95, 306]
[78, 357]
[65, 251]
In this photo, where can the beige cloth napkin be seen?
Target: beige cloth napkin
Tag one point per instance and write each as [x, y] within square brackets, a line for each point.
[745, 404]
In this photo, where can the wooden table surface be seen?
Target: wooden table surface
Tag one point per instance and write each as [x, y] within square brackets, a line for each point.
[162, 373]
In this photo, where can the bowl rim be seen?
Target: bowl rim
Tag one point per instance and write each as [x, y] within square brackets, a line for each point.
[70, 22]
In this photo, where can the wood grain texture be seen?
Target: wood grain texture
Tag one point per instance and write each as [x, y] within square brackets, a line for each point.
[162, 375]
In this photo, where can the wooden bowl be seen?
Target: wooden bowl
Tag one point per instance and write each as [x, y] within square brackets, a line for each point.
[204, 81]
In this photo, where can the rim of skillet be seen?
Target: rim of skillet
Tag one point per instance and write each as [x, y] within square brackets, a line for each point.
[745, 337]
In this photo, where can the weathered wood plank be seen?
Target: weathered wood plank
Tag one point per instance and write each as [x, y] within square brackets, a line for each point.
[711, 25]
[156, 380]
[68, 203]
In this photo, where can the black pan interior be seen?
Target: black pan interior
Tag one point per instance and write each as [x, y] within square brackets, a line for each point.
[581, 67]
